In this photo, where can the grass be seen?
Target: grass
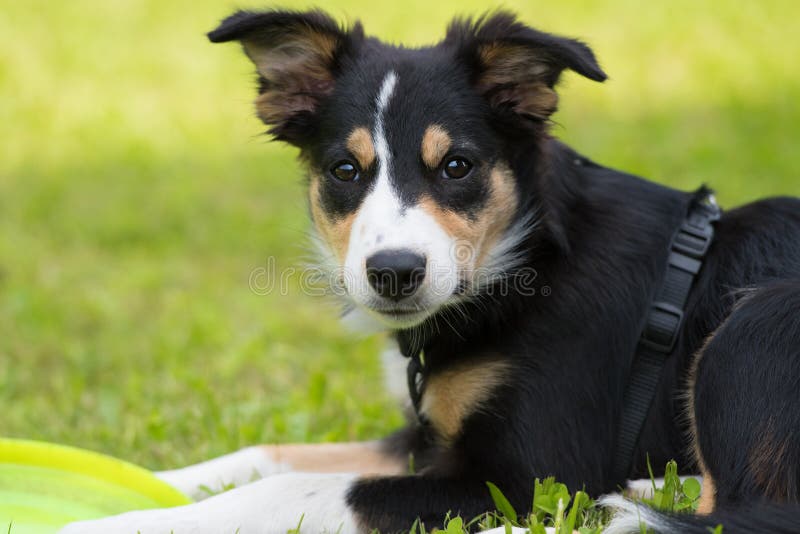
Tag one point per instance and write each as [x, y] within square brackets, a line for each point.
[555, 508]
[137, 197]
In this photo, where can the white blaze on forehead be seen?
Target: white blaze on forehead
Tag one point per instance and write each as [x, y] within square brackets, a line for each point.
[383, 223]
[383, 200]
[381, 146]
[382, 204]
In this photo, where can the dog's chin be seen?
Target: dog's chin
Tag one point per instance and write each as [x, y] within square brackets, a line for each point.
[364, 320]
[399, 317]
[407, 313]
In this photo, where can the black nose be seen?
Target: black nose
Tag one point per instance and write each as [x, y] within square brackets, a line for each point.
[395, 274]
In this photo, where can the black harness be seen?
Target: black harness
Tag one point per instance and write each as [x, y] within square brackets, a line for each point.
[659, 336]
[663, 325]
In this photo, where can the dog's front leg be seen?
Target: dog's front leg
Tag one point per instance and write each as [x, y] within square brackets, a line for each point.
[202, 480]
[325, 503]
[272, 505]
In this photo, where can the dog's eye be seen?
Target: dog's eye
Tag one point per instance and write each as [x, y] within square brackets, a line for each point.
[456, 168]
[345, 171]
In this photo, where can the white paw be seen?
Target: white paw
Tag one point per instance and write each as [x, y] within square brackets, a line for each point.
[272, 505]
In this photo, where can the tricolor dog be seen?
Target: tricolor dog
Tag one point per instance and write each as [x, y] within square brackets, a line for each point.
[557, 317]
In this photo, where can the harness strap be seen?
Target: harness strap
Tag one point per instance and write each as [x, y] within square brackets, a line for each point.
[663, 325]
[416, 383]
[414, 372]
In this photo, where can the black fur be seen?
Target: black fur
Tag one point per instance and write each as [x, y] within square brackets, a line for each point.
[748, 384]
[601, 251]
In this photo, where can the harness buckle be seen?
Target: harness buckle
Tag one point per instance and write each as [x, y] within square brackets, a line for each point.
[693, 239]
[662, 328]
[695, 234]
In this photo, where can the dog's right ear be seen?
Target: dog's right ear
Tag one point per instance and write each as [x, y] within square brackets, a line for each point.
[516, 67]
[297, 57]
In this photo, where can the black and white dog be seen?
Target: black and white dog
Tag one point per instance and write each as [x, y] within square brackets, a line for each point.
[518, 276]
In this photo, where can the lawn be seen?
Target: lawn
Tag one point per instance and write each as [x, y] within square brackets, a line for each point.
[137, 197]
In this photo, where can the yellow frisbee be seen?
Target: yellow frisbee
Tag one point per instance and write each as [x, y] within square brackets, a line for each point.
[44, 486]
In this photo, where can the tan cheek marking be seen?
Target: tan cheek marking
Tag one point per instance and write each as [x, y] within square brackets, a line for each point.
[435, 144]
[483, 232]
[363, 458]
[707, 496]
[452, 395]
[451, 222]
[335, 232]
[360, 144]
[499, 211]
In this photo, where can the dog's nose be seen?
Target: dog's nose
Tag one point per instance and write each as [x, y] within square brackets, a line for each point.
[395, 274]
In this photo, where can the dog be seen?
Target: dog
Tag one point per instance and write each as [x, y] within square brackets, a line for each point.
[519, 279]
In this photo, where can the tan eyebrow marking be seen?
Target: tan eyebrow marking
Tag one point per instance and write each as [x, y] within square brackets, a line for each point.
[435, 144]
[360, 144]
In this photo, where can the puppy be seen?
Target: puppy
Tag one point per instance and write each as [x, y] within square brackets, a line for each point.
[518, 278]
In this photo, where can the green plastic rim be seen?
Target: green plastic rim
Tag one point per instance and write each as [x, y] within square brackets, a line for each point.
[43, 486]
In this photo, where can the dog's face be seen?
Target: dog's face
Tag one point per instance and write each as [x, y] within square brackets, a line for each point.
[409, 151]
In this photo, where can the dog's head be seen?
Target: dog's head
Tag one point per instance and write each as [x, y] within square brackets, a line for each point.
[413, 186]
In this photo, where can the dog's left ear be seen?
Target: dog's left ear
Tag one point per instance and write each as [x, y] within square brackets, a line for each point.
[516, 67]
[297, 55]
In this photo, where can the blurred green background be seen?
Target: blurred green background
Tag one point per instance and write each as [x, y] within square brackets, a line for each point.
[137, 196]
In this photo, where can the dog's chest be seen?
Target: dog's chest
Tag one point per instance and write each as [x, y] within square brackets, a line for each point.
[451, 395]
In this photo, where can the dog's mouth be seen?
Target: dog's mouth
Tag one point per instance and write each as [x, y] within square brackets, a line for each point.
[412, 311]
[400, 316]
[399, 311]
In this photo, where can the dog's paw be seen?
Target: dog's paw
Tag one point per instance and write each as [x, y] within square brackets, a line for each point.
[272, 505]
[143, 522]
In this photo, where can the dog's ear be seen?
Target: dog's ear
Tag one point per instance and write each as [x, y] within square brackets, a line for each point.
[297, 56]
[516, 67]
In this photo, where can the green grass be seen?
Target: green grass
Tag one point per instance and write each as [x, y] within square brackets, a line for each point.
[136, 197]
[554, 506]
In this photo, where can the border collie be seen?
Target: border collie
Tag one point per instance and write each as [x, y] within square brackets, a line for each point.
[517, 277]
